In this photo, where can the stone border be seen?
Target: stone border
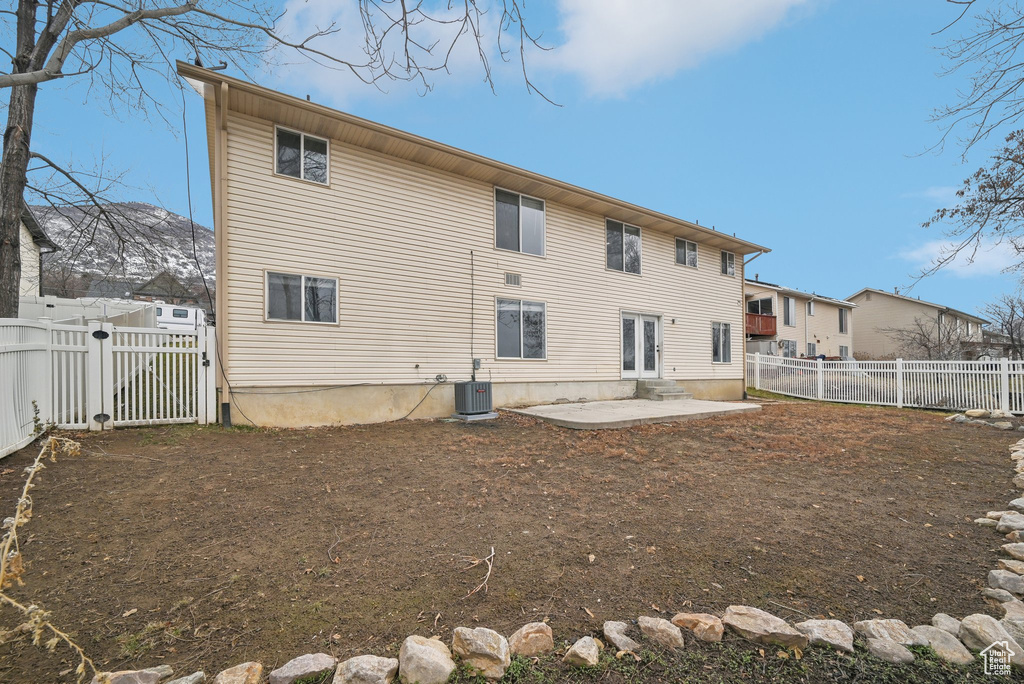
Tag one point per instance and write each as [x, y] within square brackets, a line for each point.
[431, 661]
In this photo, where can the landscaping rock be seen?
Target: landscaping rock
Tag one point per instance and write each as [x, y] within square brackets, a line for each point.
[945, 645]
[979, 631]
[1004, 579]
[194, 678]
[482, 649]
[1014, 537]
[1018, 481]
[1014, 628]
[366, 669]
[994, 597]
[953, 417]
[704, 626]
[1015, 550]
[150, 675]
[584, 653]
[893, 630]
[996, 515]
[889, 651]
[615, 633]
[424, 661]
[832, 633]
[977, 413]
[1012, 565]
[246, 673]
[946, 623]
[1003, 425]
[661, 631]
[531, 640]
[302, 667]
[1012, 610]
[1010, 522]
[986, 522]
[765, 628]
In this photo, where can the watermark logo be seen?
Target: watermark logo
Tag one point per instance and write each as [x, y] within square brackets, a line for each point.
[997, 658]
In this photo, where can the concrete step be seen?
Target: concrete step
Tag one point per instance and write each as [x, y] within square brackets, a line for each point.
[656, 383]
[669, 395]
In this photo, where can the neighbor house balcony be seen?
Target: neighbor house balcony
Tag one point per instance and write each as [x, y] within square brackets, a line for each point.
[760, 324]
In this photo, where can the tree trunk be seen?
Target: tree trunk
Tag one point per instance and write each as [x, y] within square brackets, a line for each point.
[13, 168]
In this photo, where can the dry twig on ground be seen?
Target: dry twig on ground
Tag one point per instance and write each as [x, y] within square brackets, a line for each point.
[473, 561]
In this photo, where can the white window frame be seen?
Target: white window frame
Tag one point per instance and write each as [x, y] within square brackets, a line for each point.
[494, 208]
[544, 305]
[721, 338]
[302, 303]
[843, 347]
[789, 311]
[640, 235]
[812, 350]
[686, 251]
[844, 321]
[810, 307]
[302, 157]
[969, 331]
[785, 345]
[759, 300]
[730, 264]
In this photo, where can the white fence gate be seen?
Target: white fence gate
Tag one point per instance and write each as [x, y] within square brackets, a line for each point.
[99, 376]
[953, 385]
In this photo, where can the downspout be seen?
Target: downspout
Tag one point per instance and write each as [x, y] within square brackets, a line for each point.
[743, 317]
[220, 244]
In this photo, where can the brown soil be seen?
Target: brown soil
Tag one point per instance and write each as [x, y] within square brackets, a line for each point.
[201, 548]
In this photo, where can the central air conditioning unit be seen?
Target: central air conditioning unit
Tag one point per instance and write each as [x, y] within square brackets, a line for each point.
[472, 398]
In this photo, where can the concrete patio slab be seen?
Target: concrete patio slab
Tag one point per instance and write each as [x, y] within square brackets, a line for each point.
[604, 415]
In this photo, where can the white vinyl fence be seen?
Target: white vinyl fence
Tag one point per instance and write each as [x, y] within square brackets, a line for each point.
[953, 385]
[99, 376]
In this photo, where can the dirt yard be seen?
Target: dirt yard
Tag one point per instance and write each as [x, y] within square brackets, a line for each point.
[206, 547]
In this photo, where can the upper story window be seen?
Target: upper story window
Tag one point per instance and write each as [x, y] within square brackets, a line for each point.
[293, 297]
[518, 223]
[969, 328]
[622, 243]
[810, 308]
[301, 156]
[763, 306]
[788, 311]
[844, 321]
[686, 253]
[728, 264]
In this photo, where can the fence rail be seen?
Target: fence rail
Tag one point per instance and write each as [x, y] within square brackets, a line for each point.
[954, 385]
[99, 376]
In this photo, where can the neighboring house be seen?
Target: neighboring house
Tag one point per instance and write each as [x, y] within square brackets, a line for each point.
[358, 264]
[791, 323]
[891, 325]
[165, 287]
[34, 244]
[993, 345]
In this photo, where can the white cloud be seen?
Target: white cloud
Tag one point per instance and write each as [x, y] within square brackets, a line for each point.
[618, 45]
[990, 259]
[940, 194]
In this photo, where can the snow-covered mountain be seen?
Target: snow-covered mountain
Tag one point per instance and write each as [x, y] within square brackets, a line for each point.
[122, 244]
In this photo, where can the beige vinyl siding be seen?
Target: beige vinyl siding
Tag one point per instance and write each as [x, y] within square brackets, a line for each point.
[29, 284]
[878, 312]
[822, 328]
[398, 238]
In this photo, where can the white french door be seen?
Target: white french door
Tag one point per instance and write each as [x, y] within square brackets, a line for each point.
[641, 346]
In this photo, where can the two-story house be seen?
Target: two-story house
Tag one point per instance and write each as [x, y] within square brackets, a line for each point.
[891, 325]
[787, 322]
[362, 269]
[33, 244]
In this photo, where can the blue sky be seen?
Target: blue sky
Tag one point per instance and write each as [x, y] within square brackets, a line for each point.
[801, 125]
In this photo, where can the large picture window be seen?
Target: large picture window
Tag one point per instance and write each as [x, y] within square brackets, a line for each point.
[521, 329]
[293, 297]
[301, 156]
[721, 343]
[623, 247]
[518, 223]
[761, 306]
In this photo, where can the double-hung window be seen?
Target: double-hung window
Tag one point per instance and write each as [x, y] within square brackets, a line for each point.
[301, 156]
[844, 321]
[293, 297]
[518, 223]
[728, 264]
[844, 351]
[788, 348]
[521, 329]
[812, 349]
[810, 307]
[721, 343]
[686, 253]
[623, 246]
[788, 311]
